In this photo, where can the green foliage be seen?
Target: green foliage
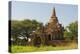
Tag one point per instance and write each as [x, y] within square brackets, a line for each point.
[23, 28]
[71, 31]
[74, 29]
[67, 35]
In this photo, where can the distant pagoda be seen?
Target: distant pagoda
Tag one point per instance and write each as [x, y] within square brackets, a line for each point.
[48, 34]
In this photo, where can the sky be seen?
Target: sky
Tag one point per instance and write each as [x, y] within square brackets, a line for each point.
[66, 13]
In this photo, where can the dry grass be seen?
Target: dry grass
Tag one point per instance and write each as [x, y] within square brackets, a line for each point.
[70, 45]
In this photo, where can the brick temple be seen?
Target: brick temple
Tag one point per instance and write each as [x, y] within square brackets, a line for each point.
[48, 34]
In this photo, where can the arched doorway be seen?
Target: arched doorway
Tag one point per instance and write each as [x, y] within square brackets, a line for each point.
[37, 41]
[49, 37]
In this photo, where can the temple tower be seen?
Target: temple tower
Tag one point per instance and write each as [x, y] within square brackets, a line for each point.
[54, 28]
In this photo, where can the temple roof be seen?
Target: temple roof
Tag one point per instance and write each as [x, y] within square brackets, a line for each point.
[53, 13]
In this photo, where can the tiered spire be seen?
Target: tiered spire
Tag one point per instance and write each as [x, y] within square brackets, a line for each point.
[53, 13]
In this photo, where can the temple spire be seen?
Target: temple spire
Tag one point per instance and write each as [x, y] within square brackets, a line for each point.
[53, 13]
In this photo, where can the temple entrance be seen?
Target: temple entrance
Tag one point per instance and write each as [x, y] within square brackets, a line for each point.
[49, 37]
[37, 41]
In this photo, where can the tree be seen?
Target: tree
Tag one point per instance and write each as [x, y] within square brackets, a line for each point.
[73, 28]
[23, 28]
[71, 31]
